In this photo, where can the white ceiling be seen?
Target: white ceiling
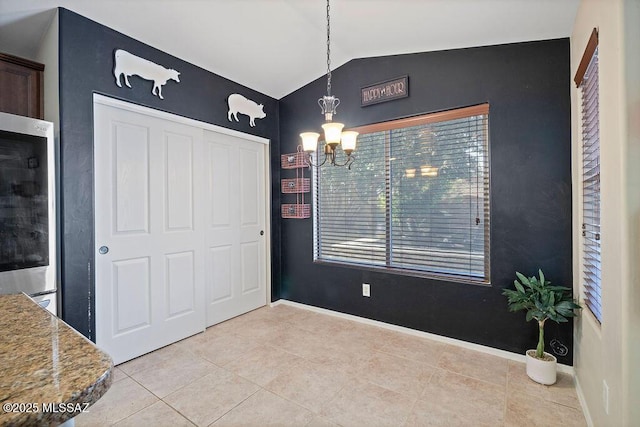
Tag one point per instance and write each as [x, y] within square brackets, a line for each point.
[278, 46]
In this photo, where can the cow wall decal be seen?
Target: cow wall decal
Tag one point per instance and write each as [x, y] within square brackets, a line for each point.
[128, 65]
[240, 104]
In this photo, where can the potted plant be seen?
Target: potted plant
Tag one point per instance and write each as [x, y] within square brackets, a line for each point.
[542, 302]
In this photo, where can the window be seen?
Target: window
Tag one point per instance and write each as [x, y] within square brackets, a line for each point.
[587, 81]
[416, 200]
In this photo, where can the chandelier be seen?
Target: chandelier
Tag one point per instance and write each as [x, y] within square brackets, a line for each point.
[333, 133]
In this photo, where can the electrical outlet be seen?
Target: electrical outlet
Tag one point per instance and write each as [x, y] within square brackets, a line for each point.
[605, 396]
[366, 290]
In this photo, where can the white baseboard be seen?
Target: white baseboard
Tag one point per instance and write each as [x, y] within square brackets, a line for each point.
[583, 401]
[464, 344]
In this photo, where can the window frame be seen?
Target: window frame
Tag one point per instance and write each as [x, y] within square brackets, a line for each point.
[388, 126]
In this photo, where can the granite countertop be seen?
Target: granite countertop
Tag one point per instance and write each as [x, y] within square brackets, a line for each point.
[48, 371]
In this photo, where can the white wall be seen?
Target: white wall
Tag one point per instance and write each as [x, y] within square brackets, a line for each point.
[631, 297]
[47, 54]
[609, 352]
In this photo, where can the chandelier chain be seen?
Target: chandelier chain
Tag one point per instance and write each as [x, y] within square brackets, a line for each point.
[333, 131]
[328, 51]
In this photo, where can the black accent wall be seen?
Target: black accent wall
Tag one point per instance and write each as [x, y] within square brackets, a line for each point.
[86, 67]
[527, 86]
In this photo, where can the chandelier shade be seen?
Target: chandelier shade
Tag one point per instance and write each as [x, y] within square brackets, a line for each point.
[310, 141]
[349, 138]
[332, 133]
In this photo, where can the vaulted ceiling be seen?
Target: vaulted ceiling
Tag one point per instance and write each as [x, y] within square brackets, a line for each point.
[277, 46]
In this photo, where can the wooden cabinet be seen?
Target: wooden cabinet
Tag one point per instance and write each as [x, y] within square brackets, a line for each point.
[21, 86]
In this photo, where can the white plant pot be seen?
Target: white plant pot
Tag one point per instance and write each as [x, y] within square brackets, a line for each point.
[541, 371]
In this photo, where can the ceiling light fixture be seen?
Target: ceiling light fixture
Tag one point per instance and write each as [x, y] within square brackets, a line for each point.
[333, 134]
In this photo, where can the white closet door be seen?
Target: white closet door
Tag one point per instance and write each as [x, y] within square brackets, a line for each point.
[148, 204]
[236, 263]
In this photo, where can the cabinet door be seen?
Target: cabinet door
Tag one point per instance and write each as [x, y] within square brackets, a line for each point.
[21, 87]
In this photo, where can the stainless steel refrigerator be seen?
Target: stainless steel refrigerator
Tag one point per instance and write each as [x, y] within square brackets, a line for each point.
[27, 209]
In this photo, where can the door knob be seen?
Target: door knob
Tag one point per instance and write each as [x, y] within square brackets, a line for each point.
[262, 232]
[103, 250]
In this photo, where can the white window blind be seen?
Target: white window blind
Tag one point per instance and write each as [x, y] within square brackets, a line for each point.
[591, 187]
[350, 207]
[416, 199]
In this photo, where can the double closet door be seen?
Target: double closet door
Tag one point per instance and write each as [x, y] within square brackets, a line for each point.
[180, 216]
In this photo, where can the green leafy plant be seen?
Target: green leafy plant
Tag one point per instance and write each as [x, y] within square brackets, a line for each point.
[542, 302]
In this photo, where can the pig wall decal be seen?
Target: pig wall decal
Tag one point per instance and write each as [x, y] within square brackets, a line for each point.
[131, 65]
[240, 104]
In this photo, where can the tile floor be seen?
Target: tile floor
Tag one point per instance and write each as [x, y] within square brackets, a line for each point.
[285, 366]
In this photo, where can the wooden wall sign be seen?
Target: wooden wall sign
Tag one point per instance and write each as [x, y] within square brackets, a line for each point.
[384, 91]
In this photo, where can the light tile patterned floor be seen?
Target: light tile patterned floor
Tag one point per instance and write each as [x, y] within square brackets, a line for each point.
[285, 366]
